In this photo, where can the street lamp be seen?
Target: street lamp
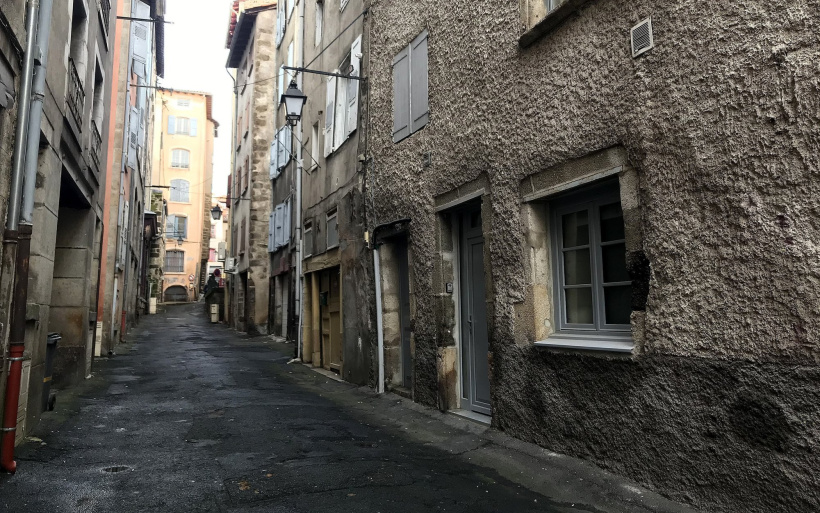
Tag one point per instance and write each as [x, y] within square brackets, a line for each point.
[216, 213]
[180, 240]
[294, 101]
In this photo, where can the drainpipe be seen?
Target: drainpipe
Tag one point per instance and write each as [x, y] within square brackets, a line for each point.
[298, 216]
[19, 235]
[379, 321]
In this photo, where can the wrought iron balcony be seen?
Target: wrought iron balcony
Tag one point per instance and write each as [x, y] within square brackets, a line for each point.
[76, 95]
[105, 5]
[96, 143]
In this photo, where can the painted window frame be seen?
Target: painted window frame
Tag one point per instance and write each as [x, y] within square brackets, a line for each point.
[598, 335]
[177, 163]
[182, 186]
[334, 215]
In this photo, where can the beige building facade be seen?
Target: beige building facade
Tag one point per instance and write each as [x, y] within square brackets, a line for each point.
[183, 170]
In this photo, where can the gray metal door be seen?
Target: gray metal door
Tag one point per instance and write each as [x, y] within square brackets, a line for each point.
[475, 370]
[404, 310]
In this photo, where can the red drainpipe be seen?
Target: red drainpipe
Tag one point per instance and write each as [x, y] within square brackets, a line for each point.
[17, 341]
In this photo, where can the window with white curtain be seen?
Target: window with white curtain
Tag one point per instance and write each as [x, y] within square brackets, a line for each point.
[180, 159]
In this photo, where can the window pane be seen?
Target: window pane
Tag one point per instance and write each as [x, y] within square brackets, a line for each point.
[575, 228]
[618, 304]
[614, 263]
[577, 268]
[612, 222]
[579, 306]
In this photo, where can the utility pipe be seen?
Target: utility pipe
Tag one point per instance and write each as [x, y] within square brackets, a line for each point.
[298, 216]
[36, 116]
[17, 331]
[379, 319]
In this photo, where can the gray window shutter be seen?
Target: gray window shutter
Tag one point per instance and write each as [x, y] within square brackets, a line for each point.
[192, 129]
[170, 224]
[274, 163]
[401, 95]
[279, 219]
[271, 230]
[133, 136]
[291, 74]
[419, 108]
[284, 146]
[353, 87]
[329, 109]
[172, 125]
[280, 26]
[339, 134]
[286, 224]
[281, 84]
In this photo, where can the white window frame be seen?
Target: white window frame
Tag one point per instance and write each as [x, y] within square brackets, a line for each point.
[333, 214]
[307, 234]
[178, 163]
[342, 102]
[318, 27]
[182, 253]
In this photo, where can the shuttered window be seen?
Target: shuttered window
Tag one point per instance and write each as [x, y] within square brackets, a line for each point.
[308, 240]
[410, 89]
[176, 226]
[342, 101]
[280, 151]
[180, 191]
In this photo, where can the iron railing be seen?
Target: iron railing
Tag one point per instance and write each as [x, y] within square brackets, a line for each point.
[76, 95]
[105, 5]
[96, 143]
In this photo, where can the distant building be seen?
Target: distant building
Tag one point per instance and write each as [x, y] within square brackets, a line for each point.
[139, 61]
[183, 170]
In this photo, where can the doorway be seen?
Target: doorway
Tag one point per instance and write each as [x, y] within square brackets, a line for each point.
[475, 369]
[330, 305]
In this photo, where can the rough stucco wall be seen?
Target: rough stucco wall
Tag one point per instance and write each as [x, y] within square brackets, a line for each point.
[719, 121]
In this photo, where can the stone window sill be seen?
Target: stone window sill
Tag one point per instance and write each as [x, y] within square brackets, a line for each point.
[613, 343]
[549, 22]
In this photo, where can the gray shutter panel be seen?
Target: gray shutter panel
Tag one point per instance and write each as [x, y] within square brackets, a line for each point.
[133, 135]
[281, 84]
[270, 232]
[280, 26]
[330, 105]
[286, 224]
[278, 235]
[284, 146]
[419, 108]
[353, 87]
[172, 125]
[274, 153]
[192, 129]
[401, 95]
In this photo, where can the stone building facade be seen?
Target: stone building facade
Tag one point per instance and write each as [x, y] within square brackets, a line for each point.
[251, 55]
[68, 201]
[613, 256]
[337, 275]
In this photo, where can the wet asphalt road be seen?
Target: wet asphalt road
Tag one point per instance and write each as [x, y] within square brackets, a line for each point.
[194, 417]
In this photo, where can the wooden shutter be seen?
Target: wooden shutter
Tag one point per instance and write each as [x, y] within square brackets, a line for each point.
[419, 108]
[283, 148]
[172, 125]
[133, 136]
[291, 74]
[329, 108]
[281, 85]
[280, 26]
[353, 87]
[339, 133]
[401, 95]
[279, 218]
[286, 224]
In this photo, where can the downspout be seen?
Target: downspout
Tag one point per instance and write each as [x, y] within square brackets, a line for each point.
[22, 234]
[235, 133]
[298, 217]
[379, 321]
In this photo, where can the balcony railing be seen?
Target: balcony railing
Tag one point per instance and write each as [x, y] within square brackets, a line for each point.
[96, 143]
[105, 5]
[76, 95]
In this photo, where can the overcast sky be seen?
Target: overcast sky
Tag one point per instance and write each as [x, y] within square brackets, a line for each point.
[195, 58]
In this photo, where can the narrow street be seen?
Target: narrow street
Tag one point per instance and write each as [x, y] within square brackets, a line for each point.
[197, 418]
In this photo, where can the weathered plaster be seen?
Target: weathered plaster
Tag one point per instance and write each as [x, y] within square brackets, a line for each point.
[719, 125]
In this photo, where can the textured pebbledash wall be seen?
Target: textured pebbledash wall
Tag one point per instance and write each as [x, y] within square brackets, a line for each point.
[717, 407]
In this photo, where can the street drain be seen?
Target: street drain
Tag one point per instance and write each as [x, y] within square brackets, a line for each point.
[116, 469]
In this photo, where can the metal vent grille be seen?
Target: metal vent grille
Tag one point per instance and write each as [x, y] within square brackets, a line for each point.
[141, 32]
[642, 40]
